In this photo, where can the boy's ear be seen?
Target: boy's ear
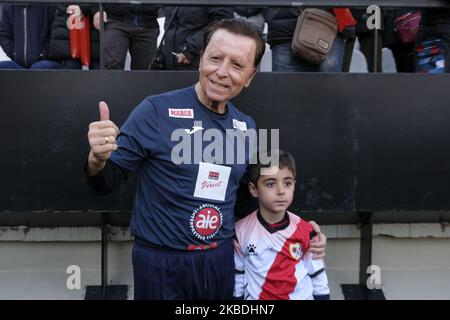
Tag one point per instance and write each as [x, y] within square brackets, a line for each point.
[253, 190]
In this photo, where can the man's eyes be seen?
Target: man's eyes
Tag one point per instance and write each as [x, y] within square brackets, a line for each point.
[238, 66]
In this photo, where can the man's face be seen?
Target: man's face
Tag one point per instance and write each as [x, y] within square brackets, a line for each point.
[276, 191]
[226, 66]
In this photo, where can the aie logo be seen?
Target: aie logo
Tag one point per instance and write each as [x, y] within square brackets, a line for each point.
[206, 221]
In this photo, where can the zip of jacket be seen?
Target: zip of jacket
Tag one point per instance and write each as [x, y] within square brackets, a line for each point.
[25, 45]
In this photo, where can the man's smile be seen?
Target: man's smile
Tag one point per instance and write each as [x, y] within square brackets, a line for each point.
[218, 85]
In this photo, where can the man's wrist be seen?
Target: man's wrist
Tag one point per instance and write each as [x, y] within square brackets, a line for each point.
[94, 165]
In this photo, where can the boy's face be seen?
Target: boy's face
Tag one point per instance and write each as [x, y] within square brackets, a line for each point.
[276, 191]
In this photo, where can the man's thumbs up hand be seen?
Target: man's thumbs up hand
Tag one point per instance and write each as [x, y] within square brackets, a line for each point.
[104, 111]
[102, 139]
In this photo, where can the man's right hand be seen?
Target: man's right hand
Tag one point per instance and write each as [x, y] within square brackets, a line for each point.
[102, 139]
[96, 19]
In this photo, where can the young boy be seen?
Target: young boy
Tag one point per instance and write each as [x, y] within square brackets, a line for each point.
[271, 247]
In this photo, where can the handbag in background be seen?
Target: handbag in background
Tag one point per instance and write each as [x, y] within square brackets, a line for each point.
[314, 35]
[407, 26]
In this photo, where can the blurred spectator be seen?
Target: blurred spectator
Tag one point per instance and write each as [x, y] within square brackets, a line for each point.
[3, 56]
[282, 22]
[59, 44]
[24, 35]
[253, 14]
[366, 39]
[185, 28]
[132, 27]
[403, 52]
[436, 26]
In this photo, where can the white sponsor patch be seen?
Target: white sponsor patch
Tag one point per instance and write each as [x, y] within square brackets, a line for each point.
[181, 113]
[239, 125]
[212, 181]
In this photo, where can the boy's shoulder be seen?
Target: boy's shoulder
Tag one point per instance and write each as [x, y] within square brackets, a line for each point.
[244, 222]
[303, 225]
[246, 227]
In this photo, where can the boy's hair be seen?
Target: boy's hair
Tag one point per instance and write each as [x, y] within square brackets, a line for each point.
[285, 159]
[240, 27]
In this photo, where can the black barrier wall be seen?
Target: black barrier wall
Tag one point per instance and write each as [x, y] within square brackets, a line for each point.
[277, 3]
[372, 142]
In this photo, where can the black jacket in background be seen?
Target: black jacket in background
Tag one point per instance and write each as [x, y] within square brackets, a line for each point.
[59, 44]
[281, 24]
[432, 17]
[186, 32]
[436, 24]
[247, 11]
[26, 40]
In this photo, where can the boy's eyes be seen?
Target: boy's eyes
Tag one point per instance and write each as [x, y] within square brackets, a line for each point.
[272, 184]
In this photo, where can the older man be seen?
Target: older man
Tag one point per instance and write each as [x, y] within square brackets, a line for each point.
[183, 227]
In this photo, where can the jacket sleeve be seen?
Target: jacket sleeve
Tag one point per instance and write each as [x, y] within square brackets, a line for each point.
[106, 180]
[6, 31]
[316, 271]
[51, 12]
[87, 9]
[194, 43]
[239, 271]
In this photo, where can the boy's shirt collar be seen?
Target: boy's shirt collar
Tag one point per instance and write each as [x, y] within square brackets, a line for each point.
[274, 227]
